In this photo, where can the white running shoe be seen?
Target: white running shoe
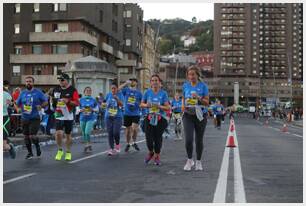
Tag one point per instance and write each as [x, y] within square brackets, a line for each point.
[198, 165]
[188, 165]
[117, 148]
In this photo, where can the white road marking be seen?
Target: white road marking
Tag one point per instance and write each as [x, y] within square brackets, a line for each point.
[220, 193]
[297, 135]
[18, 178]
[238, 179]
[94, 155]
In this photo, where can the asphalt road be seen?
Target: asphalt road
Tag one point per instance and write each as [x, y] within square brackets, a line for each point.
[270, 169]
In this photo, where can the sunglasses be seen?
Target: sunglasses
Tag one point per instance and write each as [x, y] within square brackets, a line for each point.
[62, 80]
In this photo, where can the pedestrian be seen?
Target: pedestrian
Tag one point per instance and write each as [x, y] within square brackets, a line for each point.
[195, 101]
[218, 112]
[132, 100]
[157, 102]
[113, 118]
[176, 106]
[88, 108]
[50, 113]
[64, 100]
[31, 101]
[100, 122]
[16, 93]
[7, 145]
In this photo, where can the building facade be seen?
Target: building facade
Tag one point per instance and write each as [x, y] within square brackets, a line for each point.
[40, 39]
[205, 61]
[259, 46]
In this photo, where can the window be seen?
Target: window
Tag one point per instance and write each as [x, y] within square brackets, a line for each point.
[17, 8]
[16, 70]
[59, 7]
[114, 26]
[63, 27]
[101, 16]
[36, 49]
[115, 9]
[37, 70]
[128, 42]
[60, 49]
[128, 27]
[36, 7]
[38, 27]
[127, 14]
[17, 28]
[17, 49]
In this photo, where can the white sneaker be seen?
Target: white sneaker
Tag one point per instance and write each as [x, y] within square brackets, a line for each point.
[198, 165]
[117, 148]
[188, 165]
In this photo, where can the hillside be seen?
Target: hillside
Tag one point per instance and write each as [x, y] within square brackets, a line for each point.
[171, 30]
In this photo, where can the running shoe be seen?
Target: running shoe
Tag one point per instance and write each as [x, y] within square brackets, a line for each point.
[157, 160]
[188, 165]
[68, 156]
[198, 165]
[90, 148]
[59, 155]
[12, 151]
[29, 156]
[149, 157]
[111, 152]
[136, 147]
[117, 148]
[127, 148]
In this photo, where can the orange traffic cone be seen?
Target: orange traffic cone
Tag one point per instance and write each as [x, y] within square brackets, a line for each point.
[231, 141]
[285, 128]
[232, 128]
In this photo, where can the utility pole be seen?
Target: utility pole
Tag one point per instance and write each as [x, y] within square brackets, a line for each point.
[290, 78]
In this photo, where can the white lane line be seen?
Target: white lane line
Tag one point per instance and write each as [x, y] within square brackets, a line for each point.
[238, 179]
[94, 155]
[18, 178]
[297, 135]
[220, 193]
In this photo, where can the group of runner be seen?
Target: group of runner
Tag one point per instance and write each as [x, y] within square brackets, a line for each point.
[124, 104]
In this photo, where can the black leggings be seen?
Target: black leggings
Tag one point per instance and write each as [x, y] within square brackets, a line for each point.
[154, 134]
[219, 117]
[193, 125]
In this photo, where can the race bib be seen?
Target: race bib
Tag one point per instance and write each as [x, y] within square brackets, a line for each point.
[87, 111]
[131, 100]
[219, 109]
[103, 105]
[177, 115]
[27, 109]
[61, 104]
[192, 101]
[154, 109]
[113, 111]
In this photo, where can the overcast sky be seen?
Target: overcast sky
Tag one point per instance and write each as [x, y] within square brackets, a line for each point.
[202, 11]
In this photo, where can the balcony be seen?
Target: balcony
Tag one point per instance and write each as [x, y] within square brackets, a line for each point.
[63, 37]
[43, 79]
[126, 63]
[119, 54]
[43, 58]
[107, 48]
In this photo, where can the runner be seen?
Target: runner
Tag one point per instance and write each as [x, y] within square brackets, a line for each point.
[88, 106]
[155, 123]
[132, 100]
[64, 100]
[31, 101]
[7, 146]
[195, 97]
[177, 114]
[218, 111]
[113, 118]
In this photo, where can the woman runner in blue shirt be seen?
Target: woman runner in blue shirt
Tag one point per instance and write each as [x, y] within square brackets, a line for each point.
[155, 123]
[195, 99]
[88, 107]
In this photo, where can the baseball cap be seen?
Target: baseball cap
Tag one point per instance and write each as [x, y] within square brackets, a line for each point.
[133, 78]
[63, 76]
